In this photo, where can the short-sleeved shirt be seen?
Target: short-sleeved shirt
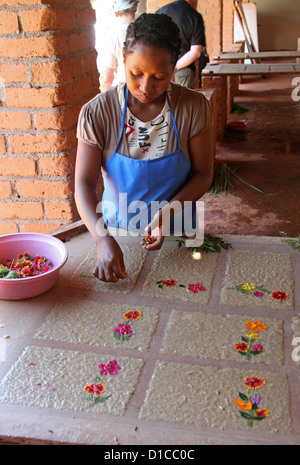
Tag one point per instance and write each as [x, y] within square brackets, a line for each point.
[190, 22]
[110, 53]
[100, 121]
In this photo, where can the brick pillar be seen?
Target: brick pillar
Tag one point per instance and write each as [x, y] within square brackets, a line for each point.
[219, 83]
[47, 71]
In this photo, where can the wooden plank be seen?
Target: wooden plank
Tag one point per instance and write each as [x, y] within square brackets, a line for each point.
[236, 68]
[65, 233]
[240, 19]
[260, 55]
[240, 10]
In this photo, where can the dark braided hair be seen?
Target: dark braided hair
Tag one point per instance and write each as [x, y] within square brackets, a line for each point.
[154, 30]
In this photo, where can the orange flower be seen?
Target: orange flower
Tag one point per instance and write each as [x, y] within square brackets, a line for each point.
[255, 327]
[243, 405]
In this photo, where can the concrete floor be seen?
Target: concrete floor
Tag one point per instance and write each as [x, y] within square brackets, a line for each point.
[261, 152]
[267, 156]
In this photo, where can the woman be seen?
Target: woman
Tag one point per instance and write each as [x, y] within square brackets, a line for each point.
[151, 138]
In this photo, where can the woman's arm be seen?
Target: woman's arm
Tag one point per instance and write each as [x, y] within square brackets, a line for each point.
[192, 55]
[110, 266]
[202, 165]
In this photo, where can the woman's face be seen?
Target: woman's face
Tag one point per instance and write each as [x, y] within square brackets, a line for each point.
[148, 72]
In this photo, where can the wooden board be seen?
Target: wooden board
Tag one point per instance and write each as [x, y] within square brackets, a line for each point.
[261, 55]
[240, 69]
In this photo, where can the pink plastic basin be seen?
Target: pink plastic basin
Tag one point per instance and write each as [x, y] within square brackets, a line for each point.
[36, 244]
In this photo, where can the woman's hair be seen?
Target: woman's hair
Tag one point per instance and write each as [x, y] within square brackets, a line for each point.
[154, 30]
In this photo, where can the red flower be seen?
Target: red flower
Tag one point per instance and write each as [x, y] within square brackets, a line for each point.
[258, 348]
[243, 347]
[110, 368]
[254, 382]
[169, 282]
[263, 413]
[94, 389]
[123, 329]
[279, 295]
[195, 288]
[132, 315]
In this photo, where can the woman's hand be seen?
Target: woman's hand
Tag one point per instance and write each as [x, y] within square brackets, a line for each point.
[110, 264]
[153, 242]
[155, 232]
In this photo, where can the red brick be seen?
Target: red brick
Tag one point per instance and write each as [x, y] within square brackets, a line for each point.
[8, 22]
[86, 16]
[5, 189]
[56, 71]
[41, 189]
[39, 227]
[10, 166]
[36, 143]
[44, 46]
[23, 210]
[57, 166]
[2, 144]
[13, 72]
[25, 2]
[45, 97]
[8, 228]
[90, 61]
[48, 19]
[79, 41]
[15, 120]
[59, 210]
[58, 119]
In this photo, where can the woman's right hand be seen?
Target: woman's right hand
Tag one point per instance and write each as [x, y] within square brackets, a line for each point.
[110, 264]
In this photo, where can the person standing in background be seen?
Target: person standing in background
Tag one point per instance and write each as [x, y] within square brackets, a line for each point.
[191, 24]
[110, 50]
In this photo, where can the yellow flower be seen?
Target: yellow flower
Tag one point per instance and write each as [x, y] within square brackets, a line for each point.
[252, 335]
[248, 287]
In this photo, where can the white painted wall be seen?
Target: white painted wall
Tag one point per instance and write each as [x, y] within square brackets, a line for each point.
[279, 24]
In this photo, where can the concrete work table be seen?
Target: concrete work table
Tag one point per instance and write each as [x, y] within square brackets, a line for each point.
[42, 373]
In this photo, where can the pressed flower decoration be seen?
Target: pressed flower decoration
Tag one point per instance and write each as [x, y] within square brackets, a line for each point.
[251, 289]
[124, 331]
[149, 239]
[195, 288]
[248, 403]
[247, 348]
[259, 291]
[94, 391]
[24, 266]
[279, 295]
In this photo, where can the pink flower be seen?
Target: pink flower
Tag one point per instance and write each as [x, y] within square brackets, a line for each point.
[123, 329]
[47, 268]
[110, 368]
[258, 348]
[195, 288]
[258, 293]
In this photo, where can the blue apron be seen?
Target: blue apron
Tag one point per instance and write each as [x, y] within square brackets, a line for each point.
[132, 185]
